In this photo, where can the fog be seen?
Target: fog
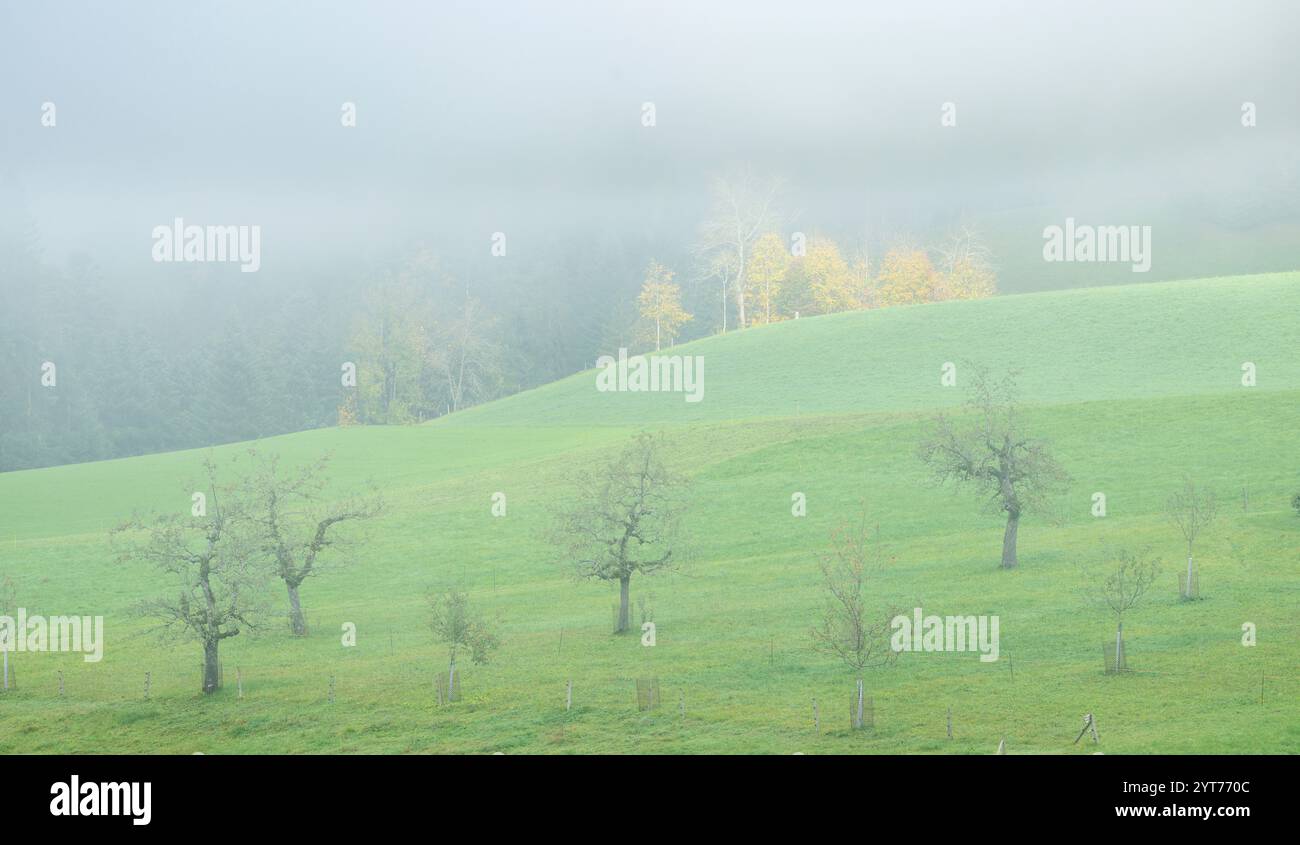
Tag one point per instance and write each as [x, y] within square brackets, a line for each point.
[521, 117]
[529, 119]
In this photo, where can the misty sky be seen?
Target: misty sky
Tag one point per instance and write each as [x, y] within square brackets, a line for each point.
[526, 117]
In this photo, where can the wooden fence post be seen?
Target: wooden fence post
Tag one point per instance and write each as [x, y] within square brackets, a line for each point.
[1089, 724]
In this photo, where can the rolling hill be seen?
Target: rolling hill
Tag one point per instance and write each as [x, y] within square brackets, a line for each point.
[1135, 386]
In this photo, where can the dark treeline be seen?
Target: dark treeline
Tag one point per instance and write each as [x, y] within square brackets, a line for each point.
[102, 364]
[90, 375]
[148, 357]
[157, 356]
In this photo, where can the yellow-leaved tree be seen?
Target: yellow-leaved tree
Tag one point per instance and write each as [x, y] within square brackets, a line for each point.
[768, 264]
[966, 279]
[660, 303]
[906, 277]
[391, 339]
[832, 286]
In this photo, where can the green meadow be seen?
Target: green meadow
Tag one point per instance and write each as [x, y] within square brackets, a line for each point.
[1135, 386]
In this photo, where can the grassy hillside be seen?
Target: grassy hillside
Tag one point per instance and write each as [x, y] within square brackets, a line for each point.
[1137, 341]
[1134, 386]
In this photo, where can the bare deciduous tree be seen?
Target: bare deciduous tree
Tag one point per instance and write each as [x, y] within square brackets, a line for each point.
[1191, 510]
[624, 518]
[454, 624]
[296, 524]
[854, 625]
[214, 560]
[989, 449]
[465, 356]
[965, 265]
[1129, 575]
[744, 207]
[719, 268]
[964, 244]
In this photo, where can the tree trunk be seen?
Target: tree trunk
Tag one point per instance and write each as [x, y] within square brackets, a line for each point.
[1188, 587]
[623, 584]
[211, 666]
[296, 619]
[724, 332]
[1119, 645]
[740, 281]
[1009, 541]
[857, 716]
